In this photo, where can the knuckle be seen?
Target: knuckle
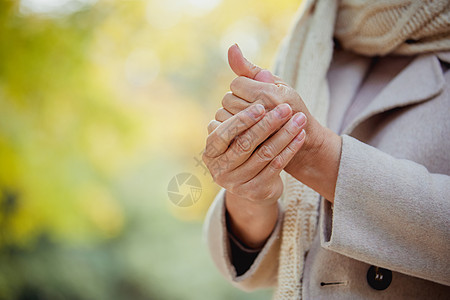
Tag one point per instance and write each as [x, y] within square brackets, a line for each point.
[277, 163]
[243, 117]
[246, 118]
[272, 122]
[290, 131]
[265, 152]
[281, 88]
[265, 124]
[243, 143]
[283, 92]
[290, 150]
[265, 97]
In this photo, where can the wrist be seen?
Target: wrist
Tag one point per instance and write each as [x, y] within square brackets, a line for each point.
[317, 162]
[249, 222]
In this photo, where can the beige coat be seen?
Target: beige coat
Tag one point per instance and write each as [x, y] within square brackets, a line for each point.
[392, 198]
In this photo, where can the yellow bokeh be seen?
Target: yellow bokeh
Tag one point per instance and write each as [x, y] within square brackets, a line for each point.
[102, 210]
[102, 103]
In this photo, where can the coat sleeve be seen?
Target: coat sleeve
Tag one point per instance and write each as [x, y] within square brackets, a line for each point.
[263, 272]
[389, 212]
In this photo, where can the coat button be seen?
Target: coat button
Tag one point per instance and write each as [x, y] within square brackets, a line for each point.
[379, 278]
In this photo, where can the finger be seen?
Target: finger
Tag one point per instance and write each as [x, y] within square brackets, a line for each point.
[243, 67]
[272, 147]
[213, 125]
[252, 91]
[244, 145]
[219, 139]
[222, 115]
[234, 104]
[280, 161]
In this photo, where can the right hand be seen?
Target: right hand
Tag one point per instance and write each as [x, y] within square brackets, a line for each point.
[245, 159]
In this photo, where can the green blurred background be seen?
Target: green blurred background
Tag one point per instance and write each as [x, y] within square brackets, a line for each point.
[102, 103]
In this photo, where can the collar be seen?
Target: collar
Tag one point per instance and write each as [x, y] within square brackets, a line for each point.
[420, 81]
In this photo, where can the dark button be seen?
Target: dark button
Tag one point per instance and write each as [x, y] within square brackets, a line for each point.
[379, 278]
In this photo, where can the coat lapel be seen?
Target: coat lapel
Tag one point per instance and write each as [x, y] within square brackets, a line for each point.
[420, 81]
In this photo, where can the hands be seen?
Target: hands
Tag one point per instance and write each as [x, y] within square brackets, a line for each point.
[245, 153]
[316, 164]
[247, 148]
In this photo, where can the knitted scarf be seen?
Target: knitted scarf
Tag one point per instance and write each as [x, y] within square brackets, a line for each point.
[367, 27]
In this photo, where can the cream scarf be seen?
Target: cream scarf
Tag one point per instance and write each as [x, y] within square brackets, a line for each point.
[368, 27]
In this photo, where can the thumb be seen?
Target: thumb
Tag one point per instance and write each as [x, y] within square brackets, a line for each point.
[242, 67]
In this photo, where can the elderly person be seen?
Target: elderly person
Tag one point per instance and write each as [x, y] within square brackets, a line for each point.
[361, 128]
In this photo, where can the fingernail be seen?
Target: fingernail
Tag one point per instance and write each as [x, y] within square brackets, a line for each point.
[257, 110]
[283, 110]
[299, 119]
[239, 48]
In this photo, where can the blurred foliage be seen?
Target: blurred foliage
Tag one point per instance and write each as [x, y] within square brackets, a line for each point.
[100, 106]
